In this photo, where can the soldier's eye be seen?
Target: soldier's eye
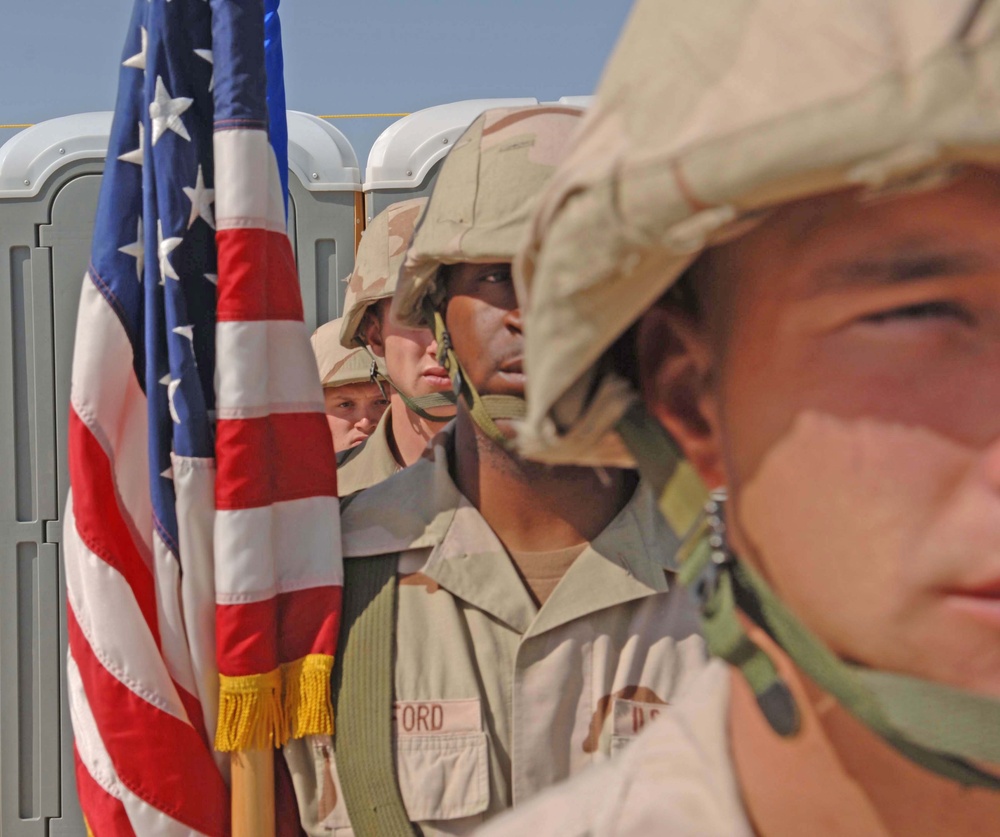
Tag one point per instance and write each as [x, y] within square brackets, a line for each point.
[938, 310]
[496, 276]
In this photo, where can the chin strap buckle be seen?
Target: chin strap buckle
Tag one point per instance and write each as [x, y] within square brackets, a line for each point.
[376, 378]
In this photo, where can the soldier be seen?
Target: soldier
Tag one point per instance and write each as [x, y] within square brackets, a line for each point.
[354, 402]
[522, 621]
[420, 397]
[778, 239]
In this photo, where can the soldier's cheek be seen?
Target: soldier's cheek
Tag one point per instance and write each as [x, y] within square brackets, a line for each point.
[839, 511]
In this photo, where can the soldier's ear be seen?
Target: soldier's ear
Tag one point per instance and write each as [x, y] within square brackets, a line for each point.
[676, 378]
[371, 327]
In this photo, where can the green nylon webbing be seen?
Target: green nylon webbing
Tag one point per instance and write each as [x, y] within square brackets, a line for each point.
[505, 407]
[919, 718]
[681, 492]
[935, 726]
[363, 682]
[422, 403]
[418, 405]
[460, 382]
[727, 639]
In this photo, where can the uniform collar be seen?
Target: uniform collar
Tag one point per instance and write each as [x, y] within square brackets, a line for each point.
[628, 560]
[421, 507]
[369, 463]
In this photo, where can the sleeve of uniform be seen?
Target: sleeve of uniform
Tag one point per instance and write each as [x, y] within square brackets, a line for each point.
[582, 806]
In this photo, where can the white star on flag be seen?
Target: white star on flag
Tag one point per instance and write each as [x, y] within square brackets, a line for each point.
[201, 201]
[138, 61]
[185, 331]
[213, 278]
[136, 250]
[166, 112]
[171, 391]
[206, 54]
[171, 386]
[134, 156]
[165, 248]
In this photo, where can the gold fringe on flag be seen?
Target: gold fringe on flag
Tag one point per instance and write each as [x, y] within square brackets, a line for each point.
[250, 712]
[259, 711]
[308, 707]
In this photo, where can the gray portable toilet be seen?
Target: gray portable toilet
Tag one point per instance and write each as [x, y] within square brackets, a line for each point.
[49, 182]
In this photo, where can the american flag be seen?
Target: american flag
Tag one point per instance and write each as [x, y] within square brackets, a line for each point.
[203, 541]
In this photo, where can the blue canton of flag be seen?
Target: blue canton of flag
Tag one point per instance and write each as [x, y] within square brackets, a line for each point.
[154, 246]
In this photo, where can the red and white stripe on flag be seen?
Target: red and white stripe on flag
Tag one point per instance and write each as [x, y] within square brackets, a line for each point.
[278, 575]
[143, 761]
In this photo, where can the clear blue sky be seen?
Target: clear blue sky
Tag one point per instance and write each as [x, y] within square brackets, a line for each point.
[341, 56]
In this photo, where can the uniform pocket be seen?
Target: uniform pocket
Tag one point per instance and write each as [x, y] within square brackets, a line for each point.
[443, 776]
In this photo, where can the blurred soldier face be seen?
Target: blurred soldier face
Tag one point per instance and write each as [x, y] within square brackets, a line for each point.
[840, 373]
[410, 354]
[352, 411]
[484, 321]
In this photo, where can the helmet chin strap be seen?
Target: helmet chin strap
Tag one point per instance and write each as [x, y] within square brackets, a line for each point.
[483, 409]
[942, 729]
[418, 405]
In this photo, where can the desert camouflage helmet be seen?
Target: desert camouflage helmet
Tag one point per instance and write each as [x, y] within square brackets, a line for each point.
[708, 116]
[693, 134]
[484, 196]
[337, 365]
[376, 267]
[478, 213]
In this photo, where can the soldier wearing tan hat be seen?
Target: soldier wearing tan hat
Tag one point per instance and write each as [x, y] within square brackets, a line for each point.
[354, 401]
[420, 396]
[772, 263]
[522, 622]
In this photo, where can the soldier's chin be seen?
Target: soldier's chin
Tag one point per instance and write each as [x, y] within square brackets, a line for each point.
[508, 383]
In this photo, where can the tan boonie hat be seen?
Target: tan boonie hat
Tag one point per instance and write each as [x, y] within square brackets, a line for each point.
[376, 266]
[707, 115]
[339, 366]
[484, 196]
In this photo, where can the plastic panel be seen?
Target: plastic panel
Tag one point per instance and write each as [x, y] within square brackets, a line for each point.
[37, 790]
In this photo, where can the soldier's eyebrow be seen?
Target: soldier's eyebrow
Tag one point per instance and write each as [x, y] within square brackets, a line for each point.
[900, 265]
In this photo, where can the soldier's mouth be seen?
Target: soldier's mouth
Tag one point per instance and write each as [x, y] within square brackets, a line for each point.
[980, 601]
[436, 376]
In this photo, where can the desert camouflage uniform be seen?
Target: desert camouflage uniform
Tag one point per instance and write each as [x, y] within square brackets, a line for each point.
[370, 462]
[708, 116]
[496, 698]
[374, 277]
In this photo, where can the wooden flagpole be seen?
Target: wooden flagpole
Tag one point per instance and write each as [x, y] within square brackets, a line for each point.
[253, 793]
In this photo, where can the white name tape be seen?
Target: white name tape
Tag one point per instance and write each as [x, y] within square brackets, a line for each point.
[437, 717]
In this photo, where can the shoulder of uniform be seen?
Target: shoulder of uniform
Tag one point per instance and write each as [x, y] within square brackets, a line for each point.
[394, 515]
